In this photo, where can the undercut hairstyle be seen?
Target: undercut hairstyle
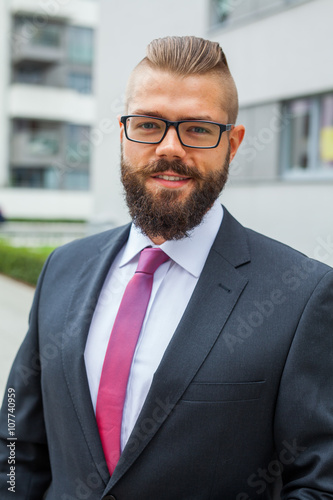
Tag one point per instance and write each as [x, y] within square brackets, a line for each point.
[188, 55]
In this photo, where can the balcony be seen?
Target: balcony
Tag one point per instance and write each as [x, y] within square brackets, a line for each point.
[33, 44]
[31, 146]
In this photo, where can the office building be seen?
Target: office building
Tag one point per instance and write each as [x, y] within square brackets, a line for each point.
[280, 53]
[47, 107]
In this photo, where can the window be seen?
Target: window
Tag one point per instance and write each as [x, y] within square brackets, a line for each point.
[326, 133]
[75, 175]
[57, 55]
[81, 82]
[35, 139]
[27, 177]
[80, 45]
[78, 145]
[50, 36]
[80, 57]
[76, 180]
[48, 155]
[226, 12]
[44, 143]
[222, 10]
[307, 139]
[48, 178]
[29, 73]
[28, 31]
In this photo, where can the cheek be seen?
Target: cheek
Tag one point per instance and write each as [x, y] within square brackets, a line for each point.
[129, 152]
[219, 157]
[211, 162]
[137, 154]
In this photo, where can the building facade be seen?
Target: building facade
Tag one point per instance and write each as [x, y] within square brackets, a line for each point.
[280, 53]
[48, 107]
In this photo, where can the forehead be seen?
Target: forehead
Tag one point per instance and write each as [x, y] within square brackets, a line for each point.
[176, 97]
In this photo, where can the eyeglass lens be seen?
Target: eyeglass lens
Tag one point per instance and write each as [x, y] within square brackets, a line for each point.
[151, 130]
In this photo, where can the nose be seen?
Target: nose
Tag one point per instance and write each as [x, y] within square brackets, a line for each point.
[171, 146]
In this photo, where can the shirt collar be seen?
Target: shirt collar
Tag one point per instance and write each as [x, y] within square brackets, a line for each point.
[191, 252]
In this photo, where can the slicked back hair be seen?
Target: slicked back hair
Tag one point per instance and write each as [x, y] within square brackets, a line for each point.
[188, 55]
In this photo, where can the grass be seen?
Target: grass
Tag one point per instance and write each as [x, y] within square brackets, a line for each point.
[21, 263]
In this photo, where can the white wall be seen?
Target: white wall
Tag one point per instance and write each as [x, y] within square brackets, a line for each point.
[300, 215]
[46, 204]
[282, 56]
[33, 101]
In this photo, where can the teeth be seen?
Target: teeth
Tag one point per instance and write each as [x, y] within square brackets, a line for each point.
[170, 178]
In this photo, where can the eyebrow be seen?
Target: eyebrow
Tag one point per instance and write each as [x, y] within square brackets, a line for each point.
[156, 114]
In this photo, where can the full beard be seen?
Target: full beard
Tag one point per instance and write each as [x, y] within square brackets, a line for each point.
[163, 214]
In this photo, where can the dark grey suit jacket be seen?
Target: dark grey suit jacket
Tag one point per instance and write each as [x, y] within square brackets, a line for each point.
[241, 402]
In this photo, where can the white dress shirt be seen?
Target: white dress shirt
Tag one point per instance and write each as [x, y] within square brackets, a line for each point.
[165, 309]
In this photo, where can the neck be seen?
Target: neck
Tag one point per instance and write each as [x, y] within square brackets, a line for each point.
[157, 240]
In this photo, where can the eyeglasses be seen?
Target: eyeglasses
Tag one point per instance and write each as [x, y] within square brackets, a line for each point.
[191, 133]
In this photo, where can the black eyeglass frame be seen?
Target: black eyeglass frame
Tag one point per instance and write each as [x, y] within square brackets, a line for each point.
[223, 128]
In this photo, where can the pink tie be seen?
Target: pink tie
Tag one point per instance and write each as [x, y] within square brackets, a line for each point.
[120, 351]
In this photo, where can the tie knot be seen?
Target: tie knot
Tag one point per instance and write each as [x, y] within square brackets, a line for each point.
[150, 259]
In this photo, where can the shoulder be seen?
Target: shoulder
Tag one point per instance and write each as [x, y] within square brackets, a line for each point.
[90, 245]
[269, 251]
[68, 260]
[268, 257]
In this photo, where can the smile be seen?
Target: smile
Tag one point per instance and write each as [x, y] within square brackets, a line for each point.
[171, 178]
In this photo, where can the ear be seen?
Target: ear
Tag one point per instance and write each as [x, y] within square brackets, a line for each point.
[236, 137]
[121, 128]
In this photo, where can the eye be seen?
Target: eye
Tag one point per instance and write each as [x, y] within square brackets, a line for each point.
[148, 125]
[198, 129]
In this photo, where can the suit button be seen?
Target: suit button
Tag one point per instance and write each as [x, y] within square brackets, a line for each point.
[109, 497]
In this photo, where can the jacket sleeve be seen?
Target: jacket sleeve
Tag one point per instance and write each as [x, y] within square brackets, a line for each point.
[24, 459]
[304, 412]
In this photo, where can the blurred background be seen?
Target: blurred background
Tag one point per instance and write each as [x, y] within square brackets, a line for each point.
[63, 71]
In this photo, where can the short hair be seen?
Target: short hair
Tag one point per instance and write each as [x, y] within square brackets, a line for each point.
[190, 55]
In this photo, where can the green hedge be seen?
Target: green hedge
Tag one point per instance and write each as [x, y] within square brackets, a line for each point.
[24, 264]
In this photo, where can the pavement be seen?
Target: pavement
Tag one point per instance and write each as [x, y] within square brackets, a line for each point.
[15, 302]
[16, 298]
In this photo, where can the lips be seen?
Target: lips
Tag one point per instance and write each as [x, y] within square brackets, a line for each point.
[170, 179]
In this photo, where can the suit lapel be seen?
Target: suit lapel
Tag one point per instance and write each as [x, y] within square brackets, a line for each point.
[84, 296]
[217, 291]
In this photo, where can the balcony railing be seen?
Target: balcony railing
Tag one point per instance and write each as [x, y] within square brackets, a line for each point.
[37, 44]
[35, 148]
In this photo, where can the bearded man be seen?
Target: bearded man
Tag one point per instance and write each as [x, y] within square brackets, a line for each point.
[181, 356]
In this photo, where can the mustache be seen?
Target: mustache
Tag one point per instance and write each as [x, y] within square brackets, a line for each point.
[175, 166]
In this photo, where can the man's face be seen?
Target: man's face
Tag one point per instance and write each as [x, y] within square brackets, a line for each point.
[169, 187]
